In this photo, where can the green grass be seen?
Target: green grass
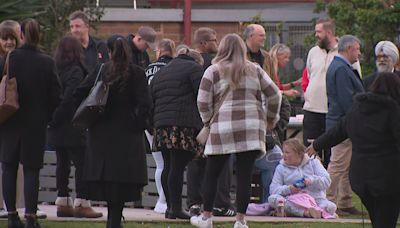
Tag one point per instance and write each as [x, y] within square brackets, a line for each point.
[52, 224]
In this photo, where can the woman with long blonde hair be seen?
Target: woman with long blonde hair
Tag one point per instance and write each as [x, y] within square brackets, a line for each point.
[239, 124]
[278, 57]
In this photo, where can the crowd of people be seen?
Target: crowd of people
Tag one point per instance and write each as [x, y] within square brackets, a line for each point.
[233, 88]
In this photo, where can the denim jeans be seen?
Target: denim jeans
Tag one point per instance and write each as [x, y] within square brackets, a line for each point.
[267, 169]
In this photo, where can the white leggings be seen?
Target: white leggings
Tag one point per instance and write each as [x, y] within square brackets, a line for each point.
[157, 176]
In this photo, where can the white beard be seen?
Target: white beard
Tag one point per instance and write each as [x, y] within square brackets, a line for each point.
[384, 67]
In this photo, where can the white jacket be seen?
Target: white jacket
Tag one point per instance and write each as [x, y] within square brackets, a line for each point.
[285, 175]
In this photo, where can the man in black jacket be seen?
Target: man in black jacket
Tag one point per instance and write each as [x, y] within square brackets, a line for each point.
[254, 36]
[95, 51]
[144, 38]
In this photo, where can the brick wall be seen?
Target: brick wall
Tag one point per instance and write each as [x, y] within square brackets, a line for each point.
[171, 30]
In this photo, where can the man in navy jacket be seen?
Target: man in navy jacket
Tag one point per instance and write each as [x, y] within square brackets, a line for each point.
[342, 83]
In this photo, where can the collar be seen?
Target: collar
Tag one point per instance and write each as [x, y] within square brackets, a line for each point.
[344, 59]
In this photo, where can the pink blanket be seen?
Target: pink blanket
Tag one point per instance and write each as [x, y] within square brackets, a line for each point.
[306, 201]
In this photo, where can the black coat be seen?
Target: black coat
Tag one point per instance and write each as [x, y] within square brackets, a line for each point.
[116, 143]
[373, 125]
[39, 94]
[371, 78]
[174, 92]
[140, 58]
[61, 132]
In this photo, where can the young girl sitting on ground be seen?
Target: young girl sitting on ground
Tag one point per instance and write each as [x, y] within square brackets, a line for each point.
[299, 184]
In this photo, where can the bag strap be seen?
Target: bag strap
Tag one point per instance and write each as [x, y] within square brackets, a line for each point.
[98, 74]
[5, 67]
[218, 106]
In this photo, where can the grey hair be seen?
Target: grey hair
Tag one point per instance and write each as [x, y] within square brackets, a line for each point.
[346, 41]
[248, 31]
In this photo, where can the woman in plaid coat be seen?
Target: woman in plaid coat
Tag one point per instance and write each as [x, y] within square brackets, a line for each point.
[240, 123]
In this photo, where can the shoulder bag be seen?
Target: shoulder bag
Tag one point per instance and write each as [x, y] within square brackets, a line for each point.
[8, 94]
[93, 106]
[205, 131]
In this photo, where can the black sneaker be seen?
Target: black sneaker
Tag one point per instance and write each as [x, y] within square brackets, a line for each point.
[195, 210]
[223, 212]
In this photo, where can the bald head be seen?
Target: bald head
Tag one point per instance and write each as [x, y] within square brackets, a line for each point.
[254, 35]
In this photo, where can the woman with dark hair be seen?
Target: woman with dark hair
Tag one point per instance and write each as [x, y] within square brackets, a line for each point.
[23, 135]
[115, 159]
[69, 141]
[373, 125]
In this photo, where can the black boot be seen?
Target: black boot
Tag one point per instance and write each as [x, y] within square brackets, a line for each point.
[31, 222]
[14, 221]
[180, 214]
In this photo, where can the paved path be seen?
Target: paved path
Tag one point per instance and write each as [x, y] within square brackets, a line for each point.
[146, 215]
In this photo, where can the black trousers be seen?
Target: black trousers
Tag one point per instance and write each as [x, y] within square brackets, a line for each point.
[244, 168]
[383, 210]
[64, 157]
[175, 162]
[313, 127]
[195, 179]
[31, 186]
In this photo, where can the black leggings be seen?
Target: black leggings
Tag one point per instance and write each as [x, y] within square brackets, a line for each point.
[175, 162]
[31, 187]
[244, 169]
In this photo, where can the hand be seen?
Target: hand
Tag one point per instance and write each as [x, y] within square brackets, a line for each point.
[270, 125]
[294, 190]
[310, 150]
[291, 93]
[307, 181]
[297, 82]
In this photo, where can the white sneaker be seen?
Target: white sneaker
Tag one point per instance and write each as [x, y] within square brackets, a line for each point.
[240, 225]
[3, 213]
[41, 214]
[160, 208]
[198, 221]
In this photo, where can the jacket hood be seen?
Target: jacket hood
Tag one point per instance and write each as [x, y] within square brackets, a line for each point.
[372, 102]
[305, 160]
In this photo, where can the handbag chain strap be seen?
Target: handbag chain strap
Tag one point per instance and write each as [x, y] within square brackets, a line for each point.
[5, 68]
[217, 107]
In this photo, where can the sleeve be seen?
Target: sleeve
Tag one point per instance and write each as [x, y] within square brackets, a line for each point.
[64, 111]
[205, 95]
[272, 94]
[277, 185]
[142, 97]
[84, 87]
[54, 89]
[195, 78]
[304, 80]
[333, 136]
[344, 88]
[395, 125]
[320, 180]
[284, 115]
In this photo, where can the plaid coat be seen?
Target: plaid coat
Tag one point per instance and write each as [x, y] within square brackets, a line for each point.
[240, 123]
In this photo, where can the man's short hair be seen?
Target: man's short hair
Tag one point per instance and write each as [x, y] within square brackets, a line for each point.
[79, 15]
[248, 31]
[203, 34]
[347, 41]
[327, 24]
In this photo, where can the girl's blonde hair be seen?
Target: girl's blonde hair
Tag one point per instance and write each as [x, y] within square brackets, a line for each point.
[232, 59]
[296, 145]
[271, 60]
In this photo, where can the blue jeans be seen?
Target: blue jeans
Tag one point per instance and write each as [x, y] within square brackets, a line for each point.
[267, 169]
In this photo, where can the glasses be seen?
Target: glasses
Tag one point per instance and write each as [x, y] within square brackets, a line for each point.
[212, 40]
[383, 57]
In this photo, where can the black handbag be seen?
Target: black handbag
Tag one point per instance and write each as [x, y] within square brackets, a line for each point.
[93, 106]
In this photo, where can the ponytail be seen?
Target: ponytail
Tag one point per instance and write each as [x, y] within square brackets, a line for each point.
[31, 30]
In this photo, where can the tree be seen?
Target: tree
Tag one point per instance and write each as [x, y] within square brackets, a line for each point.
[51, 14]
[20, 9]
[370, 20]
[55, 20]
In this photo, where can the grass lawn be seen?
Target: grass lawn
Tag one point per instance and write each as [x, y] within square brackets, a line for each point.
[51, 224]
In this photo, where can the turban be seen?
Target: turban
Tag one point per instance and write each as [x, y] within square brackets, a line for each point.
[389, 49]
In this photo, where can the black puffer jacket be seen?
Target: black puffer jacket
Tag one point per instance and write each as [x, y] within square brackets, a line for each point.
[174, 92]
[373, 125]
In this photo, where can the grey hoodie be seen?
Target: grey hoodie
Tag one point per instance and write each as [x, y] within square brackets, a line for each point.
[285, 175]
